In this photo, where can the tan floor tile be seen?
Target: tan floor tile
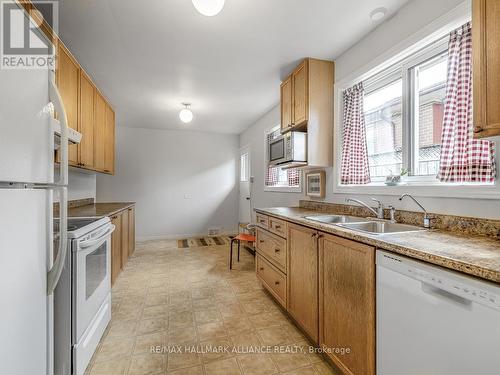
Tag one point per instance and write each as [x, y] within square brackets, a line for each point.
[246, 339]
[180, 320]
[182, 336]
[147, 364]
[257, 364]
[290, 361]
[237, 324]
[115, 367]
[158, 311]
[224, 367]
[207, 316]
[182, 360]
[211, 330]
[231, 310]
[114, 348]
[273, 336]
[123, 329]
[156, 299]
[324, 368]
[151, 325]
[198, 370]
[264, 320]
[144, 343]
[216, 349]
[302, 371]
[202, 293]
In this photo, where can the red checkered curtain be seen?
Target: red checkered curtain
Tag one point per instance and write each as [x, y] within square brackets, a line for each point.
[293, 176]
[272, 176]
[463, 158]
[354, 166]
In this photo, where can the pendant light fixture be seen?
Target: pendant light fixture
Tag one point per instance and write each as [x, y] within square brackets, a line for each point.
[186, 115]
[208, 8]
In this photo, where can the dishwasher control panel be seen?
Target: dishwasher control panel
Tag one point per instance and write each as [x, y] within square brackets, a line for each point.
[463, 286]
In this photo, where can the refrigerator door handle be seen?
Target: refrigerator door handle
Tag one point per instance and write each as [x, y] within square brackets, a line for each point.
[55, 98]
[55, 272]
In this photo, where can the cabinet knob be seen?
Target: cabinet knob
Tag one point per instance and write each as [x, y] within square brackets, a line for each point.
[276, 283]
[478, 129]
[277, 250]
[314, 235]
[261, 268]
[277, 226]
[261, 241]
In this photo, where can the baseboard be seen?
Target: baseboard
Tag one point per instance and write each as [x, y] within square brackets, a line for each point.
[180, 236]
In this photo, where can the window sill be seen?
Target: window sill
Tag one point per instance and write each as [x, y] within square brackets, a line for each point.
[283, 189]
[424, 189]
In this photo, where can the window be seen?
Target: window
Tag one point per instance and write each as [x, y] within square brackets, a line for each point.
[278, 178]
[244, 167]
[403, 111]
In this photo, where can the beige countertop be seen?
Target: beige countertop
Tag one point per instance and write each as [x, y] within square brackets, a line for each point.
[474, 255]
[99, 209]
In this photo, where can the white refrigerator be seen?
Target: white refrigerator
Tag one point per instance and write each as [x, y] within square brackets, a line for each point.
[29, 265]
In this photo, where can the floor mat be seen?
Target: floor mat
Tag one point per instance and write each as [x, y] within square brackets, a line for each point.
[204, 241]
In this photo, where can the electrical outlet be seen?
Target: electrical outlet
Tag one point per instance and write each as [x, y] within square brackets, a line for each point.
[188, 196]
[214, 231]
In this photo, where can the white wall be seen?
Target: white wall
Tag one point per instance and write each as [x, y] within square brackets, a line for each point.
[183, 182]
[81, 184]
[254, 139]
[408, 21]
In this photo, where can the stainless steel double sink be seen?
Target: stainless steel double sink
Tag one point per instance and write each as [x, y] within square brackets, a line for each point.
[366, 225]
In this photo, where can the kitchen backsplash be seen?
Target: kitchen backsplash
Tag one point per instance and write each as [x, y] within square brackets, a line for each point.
[457, 224]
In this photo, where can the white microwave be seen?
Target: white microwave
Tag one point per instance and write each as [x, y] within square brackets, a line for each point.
[287, 148]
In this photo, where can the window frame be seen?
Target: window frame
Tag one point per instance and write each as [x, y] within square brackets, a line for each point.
[440, 28]
[246, 177]
[404, 70]
[283, 188]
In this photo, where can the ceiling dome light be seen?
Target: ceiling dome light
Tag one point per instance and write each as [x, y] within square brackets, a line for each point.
[186, 115]
[209, 8]
[378, 14]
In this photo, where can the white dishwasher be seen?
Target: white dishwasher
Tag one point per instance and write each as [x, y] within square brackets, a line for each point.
[431, 321]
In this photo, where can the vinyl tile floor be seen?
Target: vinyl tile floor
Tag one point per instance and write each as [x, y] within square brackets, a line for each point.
[182, 311]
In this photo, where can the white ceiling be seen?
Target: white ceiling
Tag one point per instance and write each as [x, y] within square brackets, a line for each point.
[150, 56]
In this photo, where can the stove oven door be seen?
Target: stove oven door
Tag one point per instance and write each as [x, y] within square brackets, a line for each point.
[91, 278]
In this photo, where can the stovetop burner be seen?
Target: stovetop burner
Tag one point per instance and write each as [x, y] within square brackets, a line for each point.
[75, 223]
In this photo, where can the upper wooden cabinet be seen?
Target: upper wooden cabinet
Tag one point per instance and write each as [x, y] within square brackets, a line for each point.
[104, 140]
[307, 105]
[286, 104]
[347, 303]
[302, 278]
[67, 79]
[300, 94]
[87, 121]
[486, 66]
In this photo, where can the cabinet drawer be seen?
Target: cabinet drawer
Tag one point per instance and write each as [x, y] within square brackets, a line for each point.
[262, 220]
[272, 278]
[272, 247]
[277, 226]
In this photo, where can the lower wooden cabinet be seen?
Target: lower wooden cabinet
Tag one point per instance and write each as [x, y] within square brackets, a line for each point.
[273, 279]
[122, 240]
[116, 241]
[302, 278]
[347, 303]
[131, 230]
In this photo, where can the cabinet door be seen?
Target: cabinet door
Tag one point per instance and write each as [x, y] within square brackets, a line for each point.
[347, 302]
[109, 140]
[116, 239]
[131, 230]
[99, 132]
[286, 104]
[300, 87]
[87, 120]
[124, 240]
[302, 278]
[68, 77]
[486, 65]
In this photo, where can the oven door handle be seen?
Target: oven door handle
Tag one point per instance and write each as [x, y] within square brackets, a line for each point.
[98, 241]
